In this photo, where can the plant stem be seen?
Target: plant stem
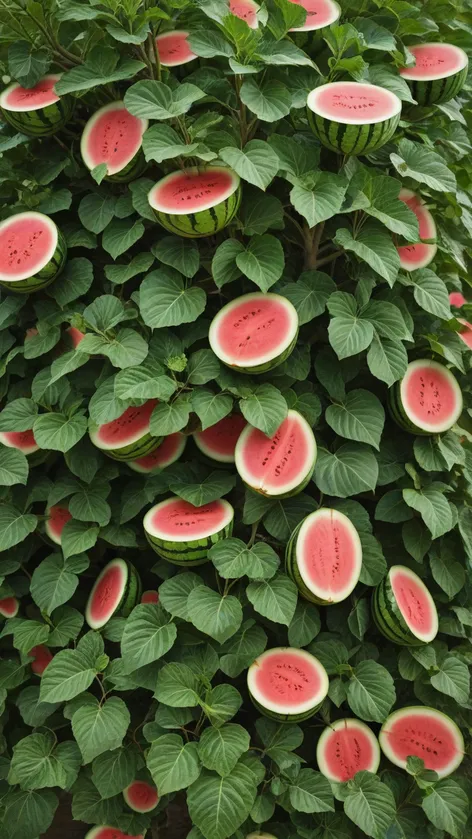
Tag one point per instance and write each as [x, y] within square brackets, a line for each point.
[327, 259]
[157, 62]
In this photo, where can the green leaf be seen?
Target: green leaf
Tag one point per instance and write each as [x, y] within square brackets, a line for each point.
[257, 163]
[447, 573]
[100, 727]
[387, 360]
[19, 414]
[177, 686]
[446, 806]
[181, 254]
[232, 559]
[430, 293]
[422, 164]
[28, 633]
[310, 294]
[53, 583]
[370, 804]
[385, 206]
[221, 704]
[351, 469]
[275, 599]
[209, 44]
[371, 691]
[219, 617]
[169, 417]
[209, 489]
[173, 593]
[373, 246]
[155, 100]
[34, 713]
[210, 407]
[59, 432]
[13, 467]
[172, 763]
[77, 537]
[28, 813]
[304, 626]
[263, 261]
[269, 101]
[348, 333]
[97, 72]
[321, 201]
[119, 274]
[161, 142]
[149, 634]
[221, 748]
[453, 679]
[311, 793]
[14, 526]
[219, 805]
[68, 674]
[120, 235]
[66, 625]
[35, 764]
[113, 771]
[265, 408]
[146, 381]
[163, 300]
[26, 65]
[203, 366]
[433, 508]
[360, 417]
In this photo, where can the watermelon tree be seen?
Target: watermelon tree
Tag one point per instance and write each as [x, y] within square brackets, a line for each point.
[236, 418]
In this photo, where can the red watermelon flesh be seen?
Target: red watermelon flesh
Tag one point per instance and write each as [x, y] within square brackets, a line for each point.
[41, 658]
[414, 601]
[173, 49]
[354, 102]
[457, 299]
[423, 735]
[177, 519]
[105, 832]
[58, 518]
[75, 336]
[418, 255]
[192, 191]
[141, 796]
[31, 99]
[9, 607]
[253, 329]
[27, 243]
[133, 421]
[245, 10]
[348, 747]
[22, 440]
[168, 452]
[329, 554]
[434, 61]
[112, 136]
[320, 13]
[466, 332]
[287, 676]
[430, 395]
[150, 597]
[219, 440]
[106, 593]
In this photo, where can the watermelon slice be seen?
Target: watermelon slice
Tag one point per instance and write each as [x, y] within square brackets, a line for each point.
[281, 465]
[466, 332]
[324, 557]
[425, 733]
[457, 299]
[22, 440]
[32, 252]
[127, 437]
[428, 400]
[171, 448]
[9, 607]
[182, 533]
[403, 608]
[74, 336]
[287, 684]
[116, 591]
[36, 111]
[438, 74]
[54, 525]
[255, 332]
[150, 596]
[103, 831]
[114, 136]
[196, 202]
[246, 10]
[219, 441]
[173, 49]
[141, 796]
[320, 13]
[346, 747]
[41, 658]
[418, 255]
[353, 117]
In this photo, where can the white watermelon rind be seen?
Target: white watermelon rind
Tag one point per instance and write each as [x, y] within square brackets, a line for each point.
[27, 107]
[136, 445]
[48, 222]
[128, 802]
[25, 449]
[414, 264]
[177, 62]
[388, 616]
[5, 613]
[286, 712]
[437, 88]
[350, 723]
[180, 550]
[335, 15]
[136, 467]
[48, 530]
[315, 107]
[405, 417]
[421, 710]
[86, 157]
[153, 196]
[128, 596]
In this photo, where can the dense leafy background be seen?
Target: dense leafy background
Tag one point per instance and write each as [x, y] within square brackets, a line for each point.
[166, 688]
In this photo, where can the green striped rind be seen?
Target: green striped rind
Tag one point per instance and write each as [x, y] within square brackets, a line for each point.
[352, 139]
[43, 121]
[291, 567]
[295, 491]
[389, 619]
[132, 170]
[46, 275]
[145, 445]
[398, 414]
[132, 593]
[438, 90]
[268, 365]
[192, 552]
[203, 223]
[274, 715]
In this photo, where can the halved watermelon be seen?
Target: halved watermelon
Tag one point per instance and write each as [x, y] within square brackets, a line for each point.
[41, 658]
[346, 747]
[36, 111]
[418, 255]
[466, 333]
[281, 465]
[74, 336]
[171, 448]
[116, 590]
[58, 516]
[353, 117]
[246, 10]
[9, 607]
[422, 732]
[22, 440]
[428, 400]
[196, 202]
[324, 557]
[150, 596]
[173, 49]
[219, 441]
[255, 332]
[103, 831]
[438, 74]
[114, 136]
[32, 252]
[320, 13]
[127, 437]
[141, 796]
[182, 533]
[457, 299]
[403, 608]
[287, 684]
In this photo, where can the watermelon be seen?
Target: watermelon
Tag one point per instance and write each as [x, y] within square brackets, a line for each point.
[171, 448]
[32, 252]
[103, 831]
[9, 607]
[324, 557]
[196, 202]
[41, 658]
[346, 747]
[22, 440]
[353, 117]
[246, 10]
[74, 336]
[58, 516]
[428, 400]
[141, 796]
[218, 442]
[182, 533]
[466, 333]
[255, 332]
[127, 437]
[114, 136]
[281, 465]
[438, 74]
[418, 255]
[403, 608]
[36, 111]
[150, 596]
[319, 13]
[173, 49]
[422, 732]
[457, 299]
[116, 591]
[287, 684]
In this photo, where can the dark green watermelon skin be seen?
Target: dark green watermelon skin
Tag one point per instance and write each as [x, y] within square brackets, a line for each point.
[352, 139]
[204, 222]
[42, 122]
[437, 91]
